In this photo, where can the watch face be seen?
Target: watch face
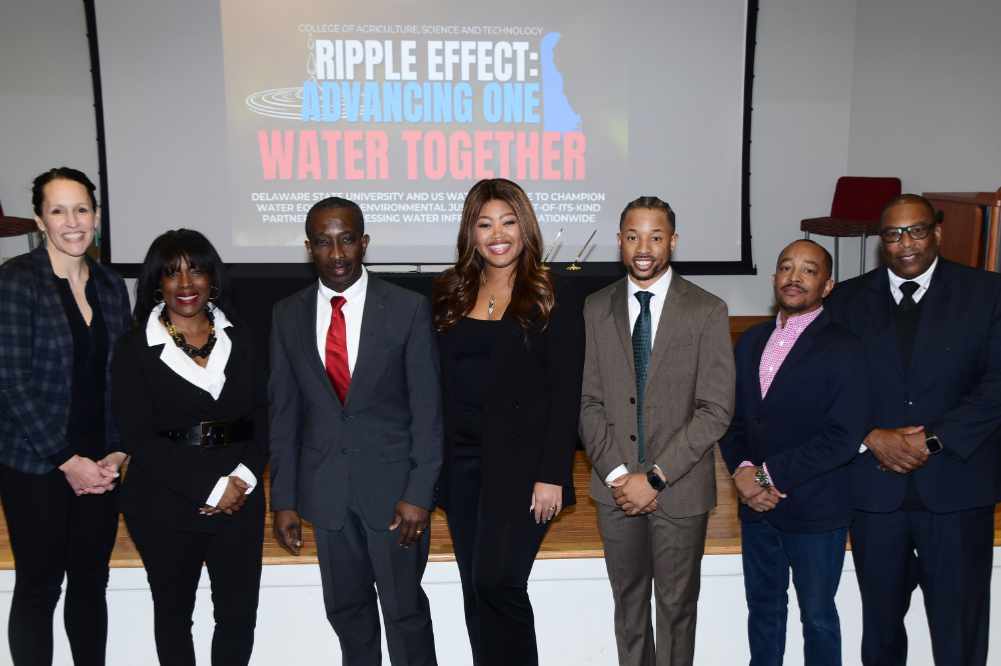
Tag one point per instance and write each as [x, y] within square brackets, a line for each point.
[933, 444]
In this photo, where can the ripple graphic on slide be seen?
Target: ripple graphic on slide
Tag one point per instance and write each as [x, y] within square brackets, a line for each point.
[277, 103]
[557, 114]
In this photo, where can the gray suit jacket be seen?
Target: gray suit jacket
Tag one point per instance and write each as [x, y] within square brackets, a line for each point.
[688, 399]
[384, 444]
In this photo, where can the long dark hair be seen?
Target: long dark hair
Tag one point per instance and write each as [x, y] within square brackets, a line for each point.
[455, 290]
[164, 256]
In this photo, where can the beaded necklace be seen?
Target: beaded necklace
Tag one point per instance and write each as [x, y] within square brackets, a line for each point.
[182, 344]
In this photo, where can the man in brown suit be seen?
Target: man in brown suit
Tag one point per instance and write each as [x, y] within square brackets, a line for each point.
[658, 393]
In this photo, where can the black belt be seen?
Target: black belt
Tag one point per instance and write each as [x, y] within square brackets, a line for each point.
[213, 434]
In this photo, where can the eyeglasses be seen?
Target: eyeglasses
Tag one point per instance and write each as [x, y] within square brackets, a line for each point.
[915, 231]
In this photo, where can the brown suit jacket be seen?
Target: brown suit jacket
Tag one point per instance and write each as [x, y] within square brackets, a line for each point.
[688, 400]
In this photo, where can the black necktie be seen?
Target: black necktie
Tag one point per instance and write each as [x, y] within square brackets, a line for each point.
[907, 289]
[641, 357]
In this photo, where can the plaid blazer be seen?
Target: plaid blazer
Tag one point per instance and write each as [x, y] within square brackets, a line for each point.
[36, 359]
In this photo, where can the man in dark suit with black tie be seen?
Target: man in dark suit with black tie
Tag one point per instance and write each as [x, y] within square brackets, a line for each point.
[799, 417]
[356, 439]
[925, 485]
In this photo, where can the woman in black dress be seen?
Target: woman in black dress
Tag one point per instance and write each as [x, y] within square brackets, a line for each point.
[60, 315]
[190, 395]
[512, 355]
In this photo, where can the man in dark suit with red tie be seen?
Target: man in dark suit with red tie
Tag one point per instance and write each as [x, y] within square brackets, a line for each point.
[356, 439]
[925, 485]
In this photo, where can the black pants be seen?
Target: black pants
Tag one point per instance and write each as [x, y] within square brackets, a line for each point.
[173, 561]
[495, 557]
[949, 556]
[54, 533]
[358, 560]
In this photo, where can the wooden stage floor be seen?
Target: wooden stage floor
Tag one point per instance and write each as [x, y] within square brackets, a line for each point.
[574, 534]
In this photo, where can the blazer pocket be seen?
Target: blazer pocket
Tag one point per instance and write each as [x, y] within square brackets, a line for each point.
[395, 453]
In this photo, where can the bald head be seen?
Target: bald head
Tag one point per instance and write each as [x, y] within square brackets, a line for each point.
[913, 199]
[822, 257]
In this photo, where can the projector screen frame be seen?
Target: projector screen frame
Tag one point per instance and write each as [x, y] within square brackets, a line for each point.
[743, 266]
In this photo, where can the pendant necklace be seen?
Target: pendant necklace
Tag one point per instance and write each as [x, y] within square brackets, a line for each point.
[490, 307]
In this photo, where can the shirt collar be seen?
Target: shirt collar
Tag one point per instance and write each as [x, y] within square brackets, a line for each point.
[156, 332]
[212, 377]
[658, 288]
[923, 280]
[349, 294]
[796, 324]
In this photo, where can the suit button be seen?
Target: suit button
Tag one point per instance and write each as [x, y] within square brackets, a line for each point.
[910, 403]
[632, 401]
[517, 405]
[632, 438]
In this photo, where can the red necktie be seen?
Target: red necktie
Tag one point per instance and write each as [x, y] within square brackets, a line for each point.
[337, 350]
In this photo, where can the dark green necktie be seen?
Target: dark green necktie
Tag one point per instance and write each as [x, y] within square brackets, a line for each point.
[641, 357]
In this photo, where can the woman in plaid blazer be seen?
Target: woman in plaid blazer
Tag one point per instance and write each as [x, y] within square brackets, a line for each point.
[60, 316]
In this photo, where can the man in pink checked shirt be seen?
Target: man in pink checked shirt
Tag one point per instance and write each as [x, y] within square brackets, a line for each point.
[800, 414]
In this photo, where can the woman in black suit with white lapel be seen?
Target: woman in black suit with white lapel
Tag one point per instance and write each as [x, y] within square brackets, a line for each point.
[190, 396]
[512, 355]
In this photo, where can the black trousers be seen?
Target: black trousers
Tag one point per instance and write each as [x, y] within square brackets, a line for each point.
[358, 560]
[53, 534]
[173, 561]
[949, 556]
[495, 557]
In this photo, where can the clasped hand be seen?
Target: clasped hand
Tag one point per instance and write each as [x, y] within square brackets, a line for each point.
[634, 494]
[752, 494]
[900, 450]
[87, 477]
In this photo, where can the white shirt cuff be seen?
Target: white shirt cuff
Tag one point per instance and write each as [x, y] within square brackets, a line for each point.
[616, 473]
[243, 473]
[862, 448]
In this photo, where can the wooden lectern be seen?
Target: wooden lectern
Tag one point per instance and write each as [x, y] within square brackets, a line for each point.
[971, 227]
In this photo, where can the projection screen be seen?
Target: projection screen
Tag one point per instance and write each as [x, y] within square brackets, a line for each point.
[234, 116]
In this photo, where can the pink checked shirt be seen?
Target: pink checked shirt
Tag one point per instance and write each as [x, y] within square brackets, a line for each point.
[777, 348]
[780, 344]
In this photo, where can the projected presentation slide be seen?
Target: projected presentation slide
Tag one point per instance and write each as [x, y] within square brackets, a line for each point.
[248, 112]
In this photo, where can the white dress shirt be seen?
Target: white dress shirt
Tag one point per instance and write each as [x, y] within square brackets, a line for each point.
[210, 379]
[352, 309]
[659, 291]
[923, 280]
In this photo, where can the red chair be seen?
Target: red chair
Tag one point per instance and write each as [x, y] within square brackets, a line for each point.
[855, 212]
[18, 226]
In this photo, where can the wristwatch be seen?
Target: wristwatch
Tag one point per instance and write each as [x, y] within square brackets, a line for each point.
[655, 481]
[761, 478]
[932, 443]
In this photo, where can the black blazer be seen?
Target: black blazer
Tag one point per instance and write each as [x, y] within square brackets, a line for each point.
[953, 385]
[531, 410]
[807, 428]
[167, 481]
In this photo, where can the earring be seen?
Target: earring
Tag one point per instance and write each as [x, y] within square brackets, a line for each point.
[157, 296]
[213, 293]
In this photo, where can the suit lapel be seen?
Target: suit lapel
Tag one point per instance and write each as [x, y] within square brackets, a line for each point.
[796, 355]
[933, 321]
[307, 337]
[370, 341]
[671, 320]
[620, 315]
[882, 319]
[51, 303]
[757, 352]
